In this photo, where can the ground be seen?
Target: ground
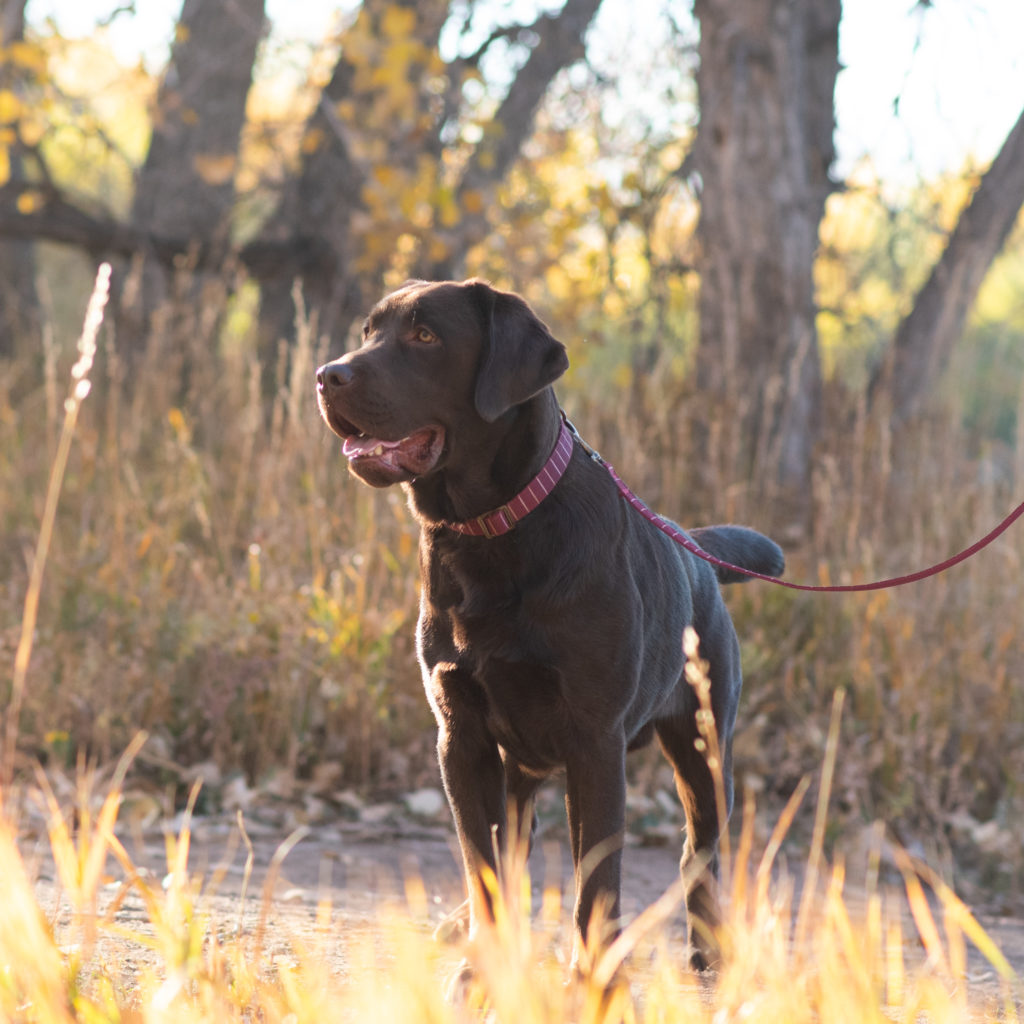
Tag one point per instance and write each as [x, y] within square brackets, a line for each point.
[375, 858]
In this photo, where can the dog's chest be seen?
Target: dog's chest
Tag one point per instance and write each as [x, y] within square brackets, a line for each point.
[489, 620]
[480, 601]
[514, 691]
[489, 627]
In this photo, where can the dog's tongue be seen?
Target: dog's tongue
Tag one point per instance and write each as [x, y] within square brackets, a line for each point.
[413, 455]
[357, 447]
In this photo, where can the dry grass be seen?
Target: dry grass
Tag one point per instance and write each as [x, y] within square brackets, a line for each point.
[216, 579]
[822, 963]
[885, 956]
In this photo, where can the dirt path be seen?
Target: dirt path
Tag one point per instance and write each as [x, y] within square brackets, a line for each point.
[363, 868]
[361, 871]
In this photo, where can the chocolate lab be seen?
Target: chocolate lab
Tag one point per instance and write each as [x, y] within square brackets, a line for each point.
[552, 613]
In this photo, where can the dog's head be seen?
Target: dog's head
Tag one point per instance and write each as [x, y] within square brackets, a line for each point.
[440, 361]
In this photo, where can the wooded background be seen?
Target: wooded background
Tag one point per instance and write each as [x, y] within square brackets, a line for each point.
[403, 162]
[751, 338]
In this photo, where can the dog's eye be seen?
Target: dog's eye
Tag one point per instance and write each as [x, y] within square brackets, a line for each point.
[425, 336]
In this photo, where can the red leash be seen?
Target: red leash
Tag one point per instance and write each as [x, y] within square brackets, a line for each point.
[671, 530]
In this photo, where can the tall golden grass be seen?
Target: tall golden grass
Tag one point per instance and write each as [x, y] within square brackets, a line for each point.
[217, 580]
[899, 957]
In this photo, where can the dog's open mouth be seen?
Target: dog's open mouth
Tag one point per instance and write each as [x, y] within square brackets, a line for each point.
[381, 462]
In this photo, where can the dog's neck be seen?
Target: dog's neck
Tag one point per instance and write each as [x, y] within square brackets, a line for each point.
[503, 459]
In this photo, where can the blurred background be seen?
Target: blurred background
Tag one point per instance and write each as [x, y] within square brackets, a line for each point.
[780, 240]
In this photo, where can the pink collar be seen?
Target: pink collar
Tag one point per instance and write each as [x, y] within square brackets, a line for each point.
[502, 520]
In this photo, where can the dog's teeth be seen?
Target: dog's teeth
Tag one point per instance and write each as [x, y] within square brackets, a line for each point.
[379, 450]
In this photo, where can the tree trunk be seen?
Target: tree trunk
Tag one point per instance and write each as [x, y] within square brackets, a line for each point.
[19, 304]
[186, 188]
[925, 338]
[763, 152]
[315, 208]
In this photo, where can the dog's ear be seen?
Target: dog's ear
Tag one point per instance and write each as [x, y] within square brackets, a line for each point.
[519, 355]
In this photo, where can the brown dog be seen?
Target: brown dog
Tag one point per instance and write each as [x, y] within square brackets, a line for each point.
[548, 639]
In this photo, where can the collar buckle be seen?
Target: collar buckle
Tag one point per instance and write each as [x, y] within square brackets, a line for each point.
[505, 519]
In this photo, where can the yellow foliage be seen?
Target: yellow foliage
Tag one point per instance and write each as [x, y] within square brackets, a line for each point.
[399, 22]
[28, 56]
[215, 168]
[176, 419]
[312, 140]
[852, 218]
[444, 204]
[876, 251]
[473, 201]
[5, 165]
[29, 201]
[385, 176]
[438, 249]
[10, 107]
[1001, 299]
[31, 128]
[411, 209]
[391, 74]
[558, 281]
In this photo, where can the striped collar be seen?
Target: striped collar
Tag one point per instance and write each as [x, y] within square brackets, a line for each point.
[502, 520]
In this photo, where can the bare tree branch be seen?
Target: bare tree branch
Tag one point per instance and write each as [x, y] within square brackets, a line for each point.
[927, 335]
[559, 44]
[52, 217]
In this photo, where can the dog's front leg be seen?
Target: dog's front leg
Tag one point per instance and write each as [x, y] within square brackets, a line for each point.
[474, 782]
[595, 800]
[473, 777]
[521, 818]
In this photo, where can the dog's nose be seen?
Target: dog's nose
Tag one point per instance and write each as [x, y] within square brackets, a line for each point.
[333, 375]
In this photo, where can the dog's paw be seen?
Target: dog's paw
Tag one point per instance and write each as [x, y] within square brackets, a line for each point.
[455, 927]
[460, 984]
[704, 962]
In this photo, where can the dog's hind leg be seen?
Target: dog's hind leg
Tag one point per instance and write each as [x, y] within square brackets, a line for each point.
[697, 788]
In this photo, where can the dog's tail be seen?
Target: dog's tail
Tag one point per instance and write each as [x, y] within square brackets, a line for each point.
[743, 547]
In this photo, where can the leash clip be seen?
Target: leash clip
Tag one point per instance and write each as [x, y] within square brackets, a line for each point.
[589, 449]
